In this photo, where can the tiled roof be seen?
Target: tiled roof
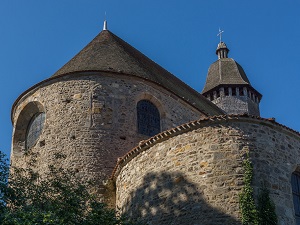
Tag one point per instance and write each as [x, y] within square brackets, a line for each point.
[184, 128]
[225, 71]
[107, 52]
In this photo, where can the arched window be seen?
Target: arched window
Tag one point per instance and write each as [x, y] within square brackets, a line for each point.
[148, 118]
[296, 195]
[34, 129]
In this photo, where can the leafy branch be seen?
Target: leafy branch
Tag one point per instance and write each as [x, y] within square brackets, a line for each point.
[251, 214]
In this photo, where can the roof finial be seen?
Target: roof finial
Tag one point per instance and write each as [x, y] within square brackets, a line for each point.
[220, 34]
[222, 50]
[105, 23]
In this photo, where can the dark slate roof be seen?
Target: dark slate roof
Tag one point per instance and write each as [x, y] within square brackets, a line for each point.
[107, 52]
[225, 71]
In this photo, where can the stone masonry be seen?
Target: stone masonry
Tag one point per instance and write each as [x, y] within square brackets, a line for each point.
[91, 118]
[237, 104]
[193, 174]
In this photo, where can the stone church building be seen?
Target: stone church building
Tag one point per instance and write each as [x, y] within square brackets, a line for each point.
[160, 151]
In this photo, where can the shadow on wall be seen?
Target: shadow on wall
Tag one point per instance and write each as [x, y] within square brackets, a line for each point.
[168, 198]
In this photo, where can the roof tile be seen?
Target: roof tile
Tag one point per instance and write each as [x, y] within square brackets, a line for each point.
[107, 52]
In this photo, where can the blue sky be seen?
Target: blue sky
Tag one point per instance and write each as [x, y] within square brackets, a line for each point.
[38, 37]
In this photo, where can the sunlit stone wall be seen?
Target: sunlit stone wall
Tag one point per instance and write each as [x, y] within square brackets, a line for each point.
[194, 175]
[91, 118]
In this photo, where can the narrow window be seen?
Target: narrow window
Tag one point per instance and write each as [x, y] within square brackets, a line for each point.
[148, 118]
[241, 91]
[233, 91]
[34, 129]
[296, 195]
[226, 90]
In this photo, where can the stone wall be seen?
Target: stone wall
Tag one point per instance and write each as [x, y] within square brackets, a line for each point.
[91, 118]
[237, 105]
[275, 152]
[193, 174]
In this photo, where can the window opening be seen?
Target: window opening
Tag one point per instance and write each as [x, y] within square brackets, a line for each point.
[241, 91]
[233, 91]
[34, 129]
[296, 195]
[226, 91]
[148, 118]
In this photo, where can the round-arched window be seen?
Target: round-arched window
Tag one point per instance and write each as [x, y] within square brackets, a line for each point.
[296, 194]
[148, 118]
[34, 129]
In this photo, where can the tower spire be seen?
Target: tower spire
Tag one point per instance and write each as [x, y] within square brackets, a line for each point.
[228, 86]
[222, 50]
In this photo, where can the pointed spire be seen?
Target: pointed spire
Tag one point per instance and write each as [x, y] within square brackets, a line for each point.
[105, 25]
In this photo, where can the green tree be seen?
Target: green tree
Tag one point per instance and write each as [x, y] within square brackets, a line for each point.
[58, 197]
[4, 170]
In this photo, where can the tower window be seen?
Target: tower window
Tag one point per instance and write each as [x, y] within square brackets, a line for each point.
[34, 129]
[226, 91]
[233, 91]
[148, 118]
[296, 195]
[241, 92]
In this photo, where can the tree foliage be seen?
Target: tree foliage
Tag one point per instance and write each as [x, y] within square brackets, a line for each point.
[56, 197]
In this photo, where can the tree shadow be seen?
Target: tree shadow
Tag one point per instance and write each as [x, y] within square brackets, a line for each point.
[169, 198]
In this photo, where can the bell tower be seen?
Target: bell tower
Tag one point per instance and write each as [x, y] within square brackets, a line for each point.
[228, 87]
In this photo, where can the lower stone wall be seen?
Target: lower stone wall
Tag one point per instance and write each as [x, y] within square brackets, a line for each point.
[195, 177]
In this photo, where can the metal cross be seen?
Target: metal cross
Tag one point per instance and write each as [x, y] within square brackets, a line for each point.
[220, 34]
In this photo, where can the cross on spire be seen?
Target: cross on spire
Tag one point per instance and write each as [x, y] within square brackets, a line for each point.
[220, 34]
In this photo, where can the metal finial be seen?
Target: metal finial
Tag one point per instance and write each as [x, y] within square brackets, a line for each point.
[105, 25]
[105, 22]
[220, 34]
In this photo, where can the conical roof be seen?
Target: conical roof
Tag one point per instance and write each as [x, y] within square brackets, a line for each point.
[225, 71]
[107, 52]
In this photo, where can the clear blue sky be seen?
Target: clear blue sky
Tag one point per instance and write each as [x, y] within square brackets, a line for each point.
[38, 37]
